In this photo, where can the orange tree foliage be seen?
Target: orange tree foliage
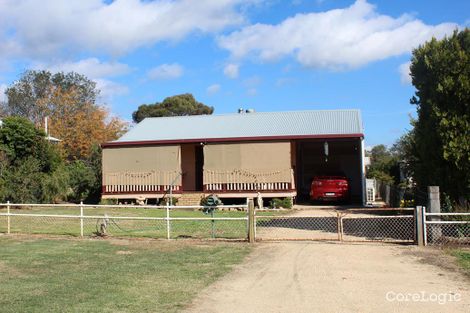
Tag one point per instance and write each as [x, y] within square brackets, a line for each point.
[79, 125]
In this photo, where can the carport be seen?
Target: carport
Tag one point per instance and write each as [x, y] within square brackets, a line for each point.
[329, 156]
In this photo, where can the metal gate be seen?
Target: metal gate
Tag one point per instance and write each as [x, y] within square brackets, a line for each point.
[367, 224]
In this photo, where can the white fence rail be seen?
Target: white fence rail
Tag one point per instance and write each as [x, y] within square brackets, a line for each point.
[124, 220]
[235, 222]
[446, 228]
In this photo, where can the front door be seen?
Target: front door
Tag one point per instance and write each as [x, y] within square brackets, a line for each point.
[192, 162]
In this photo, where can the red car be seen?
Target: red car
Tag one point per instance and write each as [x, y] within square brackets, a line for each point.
[329, 188]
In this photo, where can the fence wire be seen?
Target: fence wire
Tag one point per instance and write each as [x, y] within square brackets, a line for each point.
[297, 227]
[383, 228]
[390, 225]
[448, 229]
[182, 222]
[382, 225]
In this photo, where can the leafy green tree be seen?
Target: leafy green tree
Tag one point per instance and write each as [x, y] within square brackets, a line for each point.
[82, 180]
[94, 162]
[179, 105]
[55, 185]
[69, 99]
[19, 139]
[438, 148]
[384, 164]
[29, 165]
[22, 183]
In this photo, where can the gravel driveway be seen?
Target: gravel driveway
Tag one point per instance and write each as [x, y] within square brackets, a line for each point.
[330, 277]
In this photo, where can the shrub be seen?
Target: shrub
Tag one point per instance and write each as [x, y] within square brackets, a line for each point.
[22, 183]
[171, 201]
[277, 203]
[55, 186]
[82, 180]
[109, 202]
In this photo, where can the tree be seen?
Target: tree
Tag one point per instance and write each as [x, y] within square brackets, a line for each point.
[179, 105]
[82, 180]
[384, 164]
[439, 146]
[69, 99]
[30, 167]
[19, 140]
[31, 96]
[80, 126]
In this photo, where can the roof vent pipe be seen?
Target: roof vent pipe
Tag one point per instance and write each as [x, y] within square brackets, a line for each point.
[241, 110]
[250, 111]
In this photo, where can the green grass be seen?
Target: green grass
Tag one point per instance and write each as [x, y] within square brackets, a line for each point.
[46, 275]
[463, 259]
[234, 229]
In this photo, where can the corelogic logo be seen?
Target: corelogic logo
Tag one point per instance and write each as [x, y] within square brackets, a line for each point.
[423, 296]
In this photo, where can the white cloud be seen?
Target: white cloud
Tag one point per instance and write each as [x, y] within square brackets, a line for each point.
[117, 27]
[110, 89]
[231, 70]
[166, 71]
[213, 89]
[95, 70]
[91, 67]
[336, 39]
[405, 75]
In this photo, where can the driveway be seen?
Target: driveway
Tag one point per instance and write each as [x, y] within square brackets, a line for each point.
[330, 277]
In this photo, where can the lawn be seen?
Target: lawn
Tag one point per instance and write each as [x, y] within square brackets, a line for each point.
[232, 229]
[73, 275]
[463, 259]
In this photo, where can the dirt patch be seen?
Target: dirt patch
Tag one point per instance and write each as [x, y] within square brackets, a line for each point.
[439, 257]
[332, 277]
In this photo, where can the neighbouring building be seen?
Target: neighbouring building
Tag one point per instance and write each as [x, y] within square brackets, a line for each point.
[235, 155]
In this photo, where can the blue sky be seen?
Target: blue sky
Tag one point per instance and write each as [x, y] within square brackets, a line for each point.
[268, 55]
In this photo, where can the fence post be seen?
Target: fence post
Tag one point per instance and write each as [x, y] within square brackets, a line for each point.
[434, 205]
[251, 221]
[339, 225]
[168, 235]
[81, 218]
[387, 195]
[8, 218]
[419, 226]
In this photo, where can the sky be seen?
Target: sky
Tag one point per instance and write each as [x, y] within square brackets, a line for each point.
[270, 55]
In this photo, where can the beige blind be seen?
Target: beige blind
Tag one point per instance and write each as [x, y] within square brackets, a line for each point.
[247, 162]
[159, 165]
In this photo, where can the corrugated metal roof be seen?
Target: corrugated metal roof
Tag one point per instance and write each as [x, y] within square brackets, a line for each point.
[247, 125]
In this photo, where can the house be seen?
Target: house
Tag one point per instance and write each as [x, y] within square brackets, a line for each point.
[235, 155]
